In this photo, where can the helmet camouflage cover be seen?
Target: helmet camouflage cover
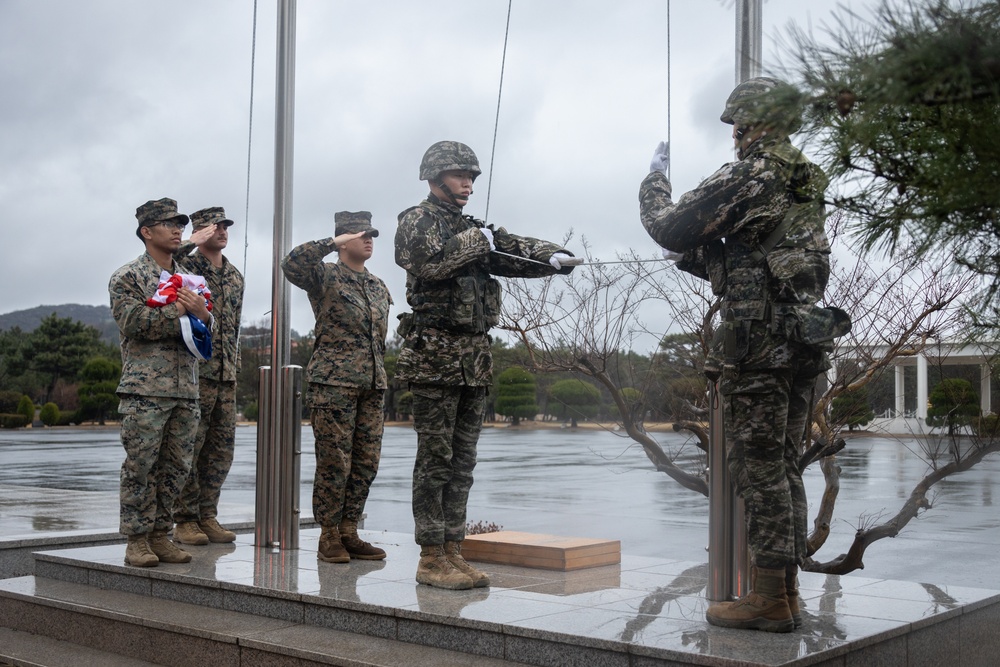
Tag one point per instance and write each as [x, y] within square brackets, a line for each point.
[763, 100]
[448, 156]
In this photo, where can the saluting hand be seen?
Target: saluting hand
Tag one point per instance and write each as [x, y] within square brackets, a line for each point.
[199, 236]
[342, 239]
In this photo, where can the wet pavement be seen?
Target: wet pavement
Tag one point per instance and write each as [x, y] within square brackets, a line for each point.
[579, 483]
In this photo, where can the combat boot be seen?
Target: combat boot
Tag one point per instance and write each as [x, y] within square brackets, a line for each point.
[188, 532]
[165, 550]
[792, 591]
[355, 546]
[763, 608]
[138, 553]
[436, 570]
[331, 550]
[453, 551]
[215, 532]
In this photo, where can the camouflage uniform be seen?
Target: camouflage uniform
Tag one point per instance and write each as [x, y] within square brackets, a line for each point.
[158, 392]
[215, 441]
[346, 374]
[755, 228]
[446, 352]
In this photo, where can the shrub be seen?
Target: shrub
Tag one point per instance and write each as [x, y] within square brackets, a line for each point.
[68, 418]
[16, 420]
[251, 412]
[852, 409]
[27, 408]
[987, 426]
[574, 398]
[404, 404]
[516, 394]
[9, 401]
[479, 528]
[49, 414]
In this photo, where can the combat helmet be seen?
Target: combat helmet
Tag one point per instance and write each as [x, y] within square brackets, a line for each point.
[763, 100]
[448, 156]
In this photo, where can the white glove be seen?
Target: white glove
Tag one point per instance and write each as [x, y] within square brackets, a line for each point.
[488, 233]
[672, 256]
[661, 158]
[561, 259]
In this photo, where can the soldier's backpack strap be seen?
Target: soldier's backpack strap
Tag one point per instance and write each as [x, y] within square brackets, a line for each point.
[772, 240]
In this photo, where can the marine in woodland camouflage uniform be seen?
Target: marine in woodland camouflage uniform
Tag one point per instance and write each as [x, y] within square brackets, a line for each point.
[197, 507]
[346, 376]
[158, 390]
[445, 356]
[755, 228]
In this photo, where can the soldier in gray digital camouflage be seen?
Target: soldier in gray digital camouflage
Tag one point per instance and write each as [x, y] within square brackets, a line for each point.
[346, 376]
[197, 508]
[755, 229]
[158, 391]
[450, 259]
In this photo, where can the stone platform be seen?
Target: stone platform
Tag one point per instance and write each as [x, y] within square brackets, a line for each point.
[239, 605]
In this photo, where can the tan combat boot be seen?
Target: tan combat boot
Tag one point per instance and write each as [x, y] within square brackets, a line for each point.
[188, 532]
[356, 547]
[331, 550]
[215, 532]
[138, 553]
[763, 608]
[165, 550]
[792, 591]
[453, 551]
[436, 570]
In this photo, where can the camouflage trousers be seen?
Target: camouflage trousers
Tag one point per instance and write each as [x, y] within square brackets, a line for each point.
[766, 415]
[213, 452]
[448, 421]
[347, 425]
[158, 436]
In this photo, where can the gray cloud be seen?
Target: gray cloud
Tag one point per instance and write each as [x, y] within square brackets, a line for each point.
[108, 104]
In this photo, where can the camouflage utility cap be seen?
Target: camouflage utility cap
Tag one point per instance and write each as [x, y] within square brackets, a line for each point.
[349, 222]
[158, 210]
[763, 100]
[448, 156]
[210, 216]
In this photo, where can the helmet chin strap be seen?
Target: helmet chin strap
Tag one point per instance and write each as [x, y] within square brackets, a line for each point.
[439, 182]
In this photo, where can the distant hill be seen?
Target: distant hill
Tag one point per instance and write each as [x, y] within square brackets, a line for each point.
[98, 317]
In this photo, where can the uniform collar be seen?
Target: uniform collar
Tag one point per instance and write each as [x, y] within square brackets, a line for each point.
[447, 205]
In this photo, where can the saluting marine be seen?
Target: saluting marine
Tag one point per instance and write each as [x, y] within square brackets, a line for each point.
[346, 376]
[446, 360]
[197, 508]
[755, 229]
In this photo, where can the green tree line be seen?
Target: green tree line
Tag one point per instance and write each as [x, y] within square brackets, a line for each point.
[65, 368]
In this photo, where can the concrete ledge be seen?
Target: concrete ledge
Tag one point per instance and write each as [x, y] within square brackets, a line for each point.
[16, 551]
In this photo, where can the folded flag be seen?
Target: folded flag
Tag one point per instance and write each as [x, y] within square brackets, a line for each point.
[166, 291]
[197, 337]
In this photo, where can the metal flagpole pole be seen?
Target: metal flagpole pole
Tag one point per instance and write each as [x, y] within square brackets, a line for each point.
[728, 552]
[279, 444]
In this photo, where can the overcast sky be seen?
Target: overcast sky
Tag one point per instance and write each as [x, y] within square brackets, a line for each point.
[107, 104]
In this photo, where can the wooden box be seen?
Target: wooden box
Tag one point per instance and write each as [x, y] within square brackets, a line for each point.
[547, 552]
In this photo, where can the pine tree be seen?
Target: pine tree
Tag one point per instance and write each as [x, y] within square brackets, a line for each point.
[516, 394]
[903, 112]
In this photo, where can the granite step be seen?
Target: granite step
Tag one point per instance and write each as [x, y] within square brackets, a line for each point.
[641, 612]
[135, 627]
[24, 649]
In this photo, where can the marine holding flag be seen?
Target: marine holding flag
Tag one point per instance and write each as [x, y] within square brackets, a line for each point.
[158, 391]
